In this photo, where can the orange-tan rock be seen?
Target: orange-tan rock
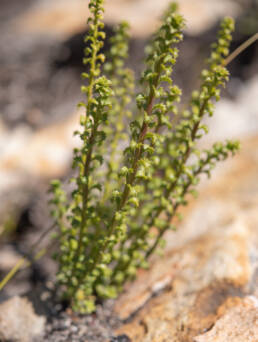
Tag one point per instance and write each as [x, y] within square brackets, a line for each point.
[239, 323]
[65, 18]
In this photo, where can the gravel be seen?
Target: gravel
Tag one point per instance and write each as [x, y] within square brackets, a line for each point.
[65, 326]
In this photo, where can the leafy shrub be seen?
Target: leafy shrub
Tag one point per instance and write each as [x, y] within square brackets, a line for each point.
[124, 200]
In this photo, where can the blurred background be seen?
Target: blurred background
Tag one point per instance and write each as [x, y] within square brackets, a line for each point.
[40, 65]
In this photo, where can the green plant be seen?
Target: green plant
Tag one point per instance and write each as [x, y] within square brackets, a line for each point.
[124, 201]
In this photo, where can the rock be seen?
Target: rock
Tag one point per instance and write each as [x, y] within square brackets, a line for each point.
[239, 323]
[121, 338]
[8, 258]
[47, 17]
[18, 321]
[45, 153]
[242, 113]
[209, 268]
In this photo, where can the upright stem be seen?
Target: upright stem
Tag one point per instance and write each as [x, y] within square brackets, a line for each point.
[169, 218]
[168, 192]
[87, 161]
[130, 179]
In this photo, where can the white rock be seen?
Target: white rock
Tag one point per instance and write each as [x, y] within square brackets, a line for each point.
[238, 118]
[18, 321]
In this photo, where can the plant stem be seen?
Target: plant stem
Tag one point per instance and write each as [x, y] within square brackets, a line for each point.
[170, 216]
[23, 261]
[240, 49]
[137, 156]
[86, 166]
[168, 191]
[12, 272]
[229, 59]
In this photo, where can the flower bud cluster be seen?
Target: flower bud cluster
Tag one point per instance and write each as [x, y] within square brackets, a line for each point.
[173, 177]
[123, 85]
[124, 199]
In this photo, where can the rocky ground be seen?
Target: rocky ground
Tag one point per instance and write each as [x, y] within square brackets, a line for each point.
[205, 286]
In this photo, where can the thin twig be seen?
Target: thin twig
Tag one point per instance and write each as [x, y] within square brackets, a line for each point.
[23, 261]
[240, 49]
